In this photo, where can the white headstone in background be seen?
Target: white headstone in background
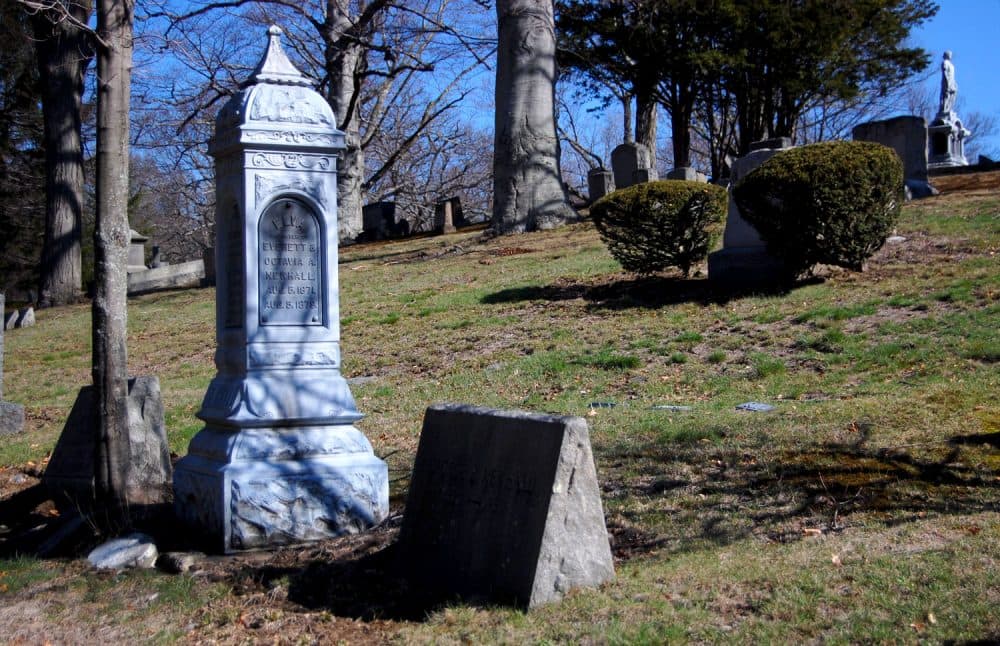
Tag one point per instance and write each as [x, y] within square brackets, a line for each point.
[279, 460]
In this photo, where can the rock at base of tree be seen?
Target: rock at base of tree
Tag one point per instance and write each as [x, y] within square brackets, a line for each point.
[70, 472]
[135, 551]
[178, 562]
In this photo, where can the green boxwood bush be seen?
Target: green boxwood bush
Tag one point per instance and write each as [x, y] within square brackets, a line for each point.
[833, 203]
[671, 223]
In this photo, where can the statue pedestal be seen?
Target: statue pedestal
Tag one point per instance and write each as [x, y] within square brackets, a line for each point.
[946, 138]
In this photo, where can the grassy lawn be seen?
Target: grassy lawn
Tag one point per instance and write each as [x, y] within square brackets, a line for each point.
[863, 507]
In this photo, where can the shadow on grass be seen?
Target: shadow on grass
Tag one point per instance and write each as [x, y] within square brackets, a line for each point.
[789, 493]
[646, 292]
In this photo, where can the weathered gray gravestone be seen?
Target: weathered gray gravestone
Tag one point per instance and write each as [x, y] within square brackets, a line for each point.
[504, 506]
[11, 415]
[907, 135]
[600, 182]
[137, 251]
[69, 475]
[626, 160]
[279, 460]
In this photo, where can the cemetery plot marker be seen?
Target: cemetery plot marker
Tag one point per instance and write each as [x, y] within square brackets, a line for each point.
[504, 506]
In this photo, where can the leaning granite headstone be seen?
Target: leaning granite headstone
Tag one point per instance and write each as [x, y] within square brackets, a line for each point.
[504, 507]
[11, 414]
[279, 460]
[69, 475]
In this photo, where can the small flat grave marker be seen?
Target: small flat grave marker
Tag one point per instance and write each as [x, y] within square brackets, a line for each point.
[504, 507]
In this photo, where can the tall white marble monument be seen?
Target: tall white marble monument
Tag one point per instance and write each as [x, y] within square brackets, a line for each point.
[279, 460]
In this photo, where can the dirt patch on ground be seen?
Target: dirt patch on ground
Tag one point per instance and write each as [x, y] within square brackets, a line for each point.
[988, 181]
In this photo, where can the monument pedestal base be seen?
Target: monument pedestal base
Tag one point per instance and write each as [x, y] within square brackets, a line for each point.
[262, 487]
[947, 143]
[741, 267]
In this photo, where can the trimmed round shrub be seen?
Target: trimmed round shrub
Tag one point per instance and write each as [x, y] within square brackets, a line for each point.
[833, 203]
[671, 223]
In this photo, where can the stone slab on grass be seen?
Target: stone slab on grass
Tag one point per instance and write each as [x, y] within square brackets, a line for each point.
[504, 507]
[133, 551]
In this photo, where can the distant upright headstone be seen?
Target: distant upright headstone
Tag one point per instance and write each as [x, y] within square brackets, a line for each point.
[444, 217]
[279, 460]
[208, 262]
[626, 159]
[11, 415]
[642, 176]
[600, 182]
[378, 220]
[744, 259]
[136, 251]
[907, 135]
[504, 507]
[686, 173]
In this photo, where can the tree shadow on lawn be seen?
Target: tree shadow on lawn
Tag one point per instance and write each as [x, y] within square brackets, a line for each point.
[644, 292]
[792, 493]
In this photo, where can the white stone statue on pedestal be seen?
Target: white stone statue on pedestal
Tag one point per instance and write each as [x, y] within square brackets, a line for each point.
[949, 88]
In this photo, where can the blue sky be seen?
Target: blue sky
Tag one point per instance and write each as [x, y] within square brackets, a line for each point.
[971, 30]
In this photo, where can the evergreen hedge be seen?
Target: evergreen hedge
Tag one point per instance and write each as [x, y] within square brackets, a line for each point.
[833, 202]
[670, 223]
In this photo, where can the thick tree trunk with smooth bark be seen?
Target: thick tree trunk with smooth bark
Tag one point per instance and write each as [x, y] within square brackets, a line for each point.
[111, 239]
[528, 192]
[645, 124]
[344, 62]
[63, 51]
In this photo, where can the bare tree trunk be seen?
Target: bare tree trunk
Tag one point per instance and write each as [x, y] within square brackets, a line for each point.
[344, 63]
[645, 124]
[63, 51]
[629, 137]
[111, 239]
[527, 183]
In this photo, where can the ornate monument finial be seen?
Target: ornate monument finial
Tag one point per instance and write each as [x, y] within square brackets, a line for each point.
[274, 66]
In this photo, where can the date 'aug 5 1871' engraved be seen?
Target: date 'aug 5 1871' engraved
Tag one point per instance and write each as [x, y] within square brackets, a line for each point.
[291, 271]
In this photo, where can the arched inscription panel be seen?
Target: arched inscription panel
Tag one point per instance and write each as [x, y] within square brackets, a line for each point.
[290, 264]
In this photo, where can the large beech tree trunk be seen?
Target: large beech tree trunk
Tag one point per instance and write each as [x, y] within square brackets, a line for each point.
[344, 64]
[528, 192]
[111, 239]
[645, 124]
[63, 51]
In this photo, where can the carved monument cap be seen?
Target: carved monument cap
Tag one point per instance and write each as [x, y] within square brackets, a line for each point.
[276, 106]
[275, 67]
